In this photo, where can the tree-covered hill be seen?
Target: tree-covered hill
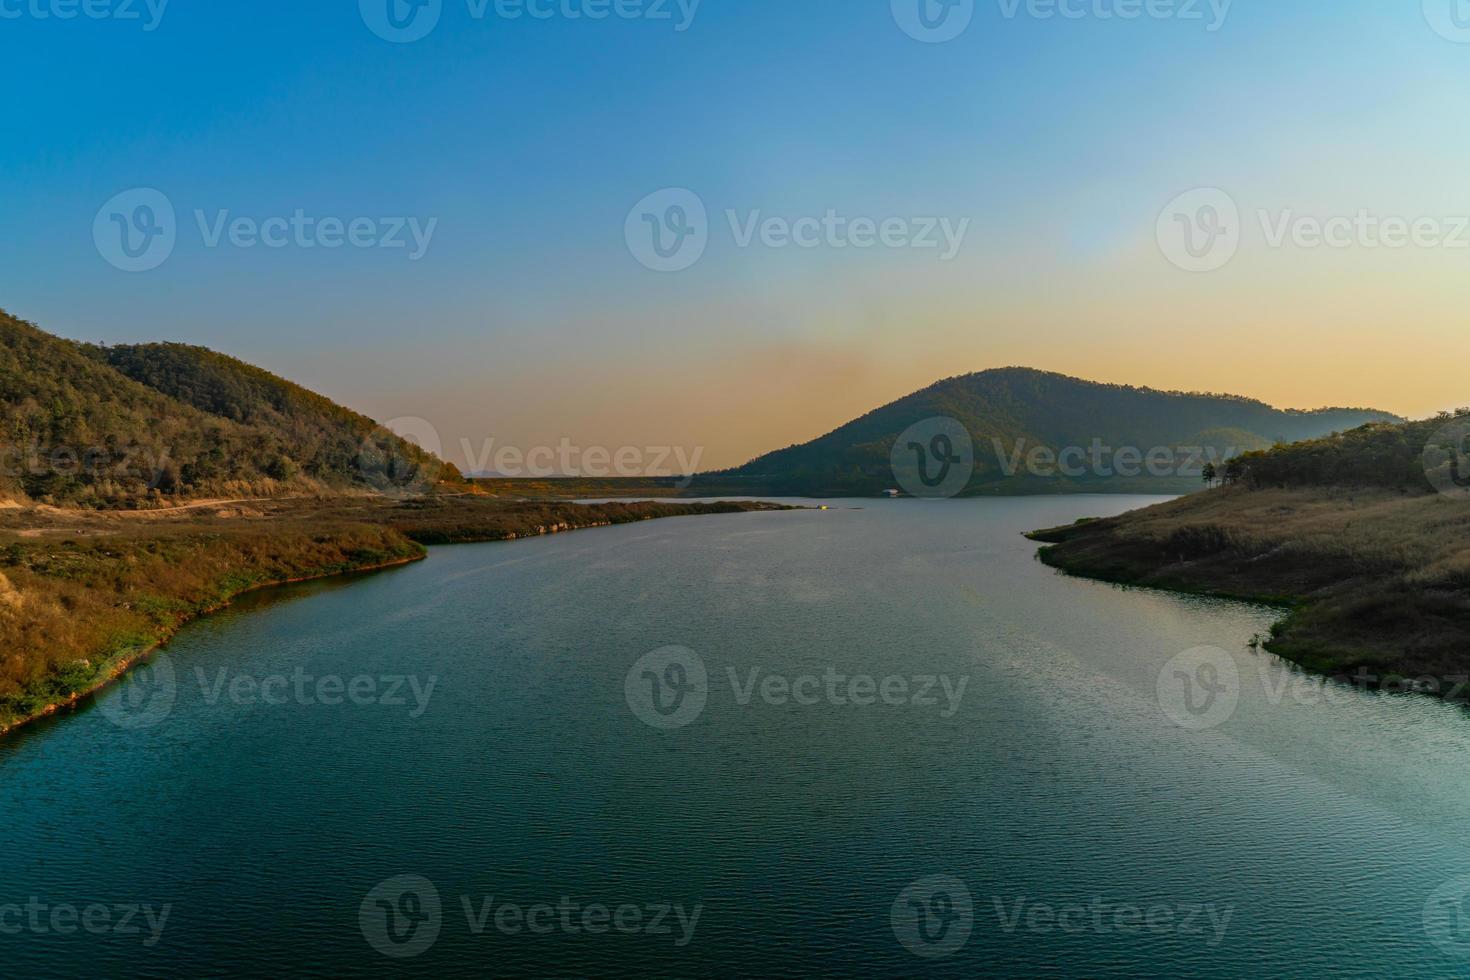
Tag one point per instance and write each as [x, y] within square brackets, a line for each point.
[1414, 456]
[136, 426]
[327, 440]
[1008, 409]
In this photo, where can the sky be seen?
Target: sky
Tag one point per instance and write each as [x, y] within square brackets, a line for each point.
[443, 212]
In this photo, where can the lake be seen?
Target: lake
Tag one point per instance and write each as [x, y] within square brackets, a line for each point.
[879, 740]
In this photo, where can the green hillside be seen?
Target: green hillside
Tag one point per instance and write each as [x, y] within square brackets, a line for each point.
[1013, 409]
[1366, 535]
[1415, 457]
[130, 427]
[327, 442]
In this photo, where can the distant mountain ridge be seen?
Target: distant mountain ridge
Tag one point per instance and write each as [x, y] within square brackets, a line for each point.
[1007, 409]
[127, 426]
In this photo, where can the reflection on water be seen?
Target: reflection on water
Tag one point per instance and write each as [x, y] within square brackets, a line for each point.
[876, 740]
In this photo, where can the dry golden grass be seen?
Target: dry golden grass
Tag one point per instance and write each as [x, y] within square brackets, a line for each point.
[1380, 579]
[1425, 536]
[82, 593]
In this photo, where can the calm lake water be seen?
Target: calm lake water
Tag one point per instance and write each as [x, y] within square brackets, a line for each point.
[446, 770]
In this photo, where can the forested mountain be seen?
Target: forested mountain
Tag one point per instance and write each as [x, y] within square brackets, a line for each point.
[1010, 413]
[132, 426]
[1416, 457]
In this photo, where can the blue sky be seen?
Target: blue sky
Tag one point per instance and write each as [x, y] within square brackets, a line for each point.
[527, 141]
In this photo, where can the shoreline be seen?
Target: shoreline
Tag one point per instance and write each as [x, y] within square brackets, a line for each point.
[485, 523]
[121, 665]
[1351, 609]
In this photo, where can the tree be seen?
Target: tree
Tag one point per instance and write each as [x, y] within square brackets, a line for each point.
[1209, 473]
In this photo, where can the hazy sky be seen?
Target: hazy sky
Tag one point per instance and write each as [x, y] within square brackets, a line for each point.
[520, 145]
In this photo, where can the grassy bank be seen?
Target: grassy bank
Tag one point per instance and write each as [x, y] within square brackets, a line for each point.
[1377, 582]
[84, 595]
